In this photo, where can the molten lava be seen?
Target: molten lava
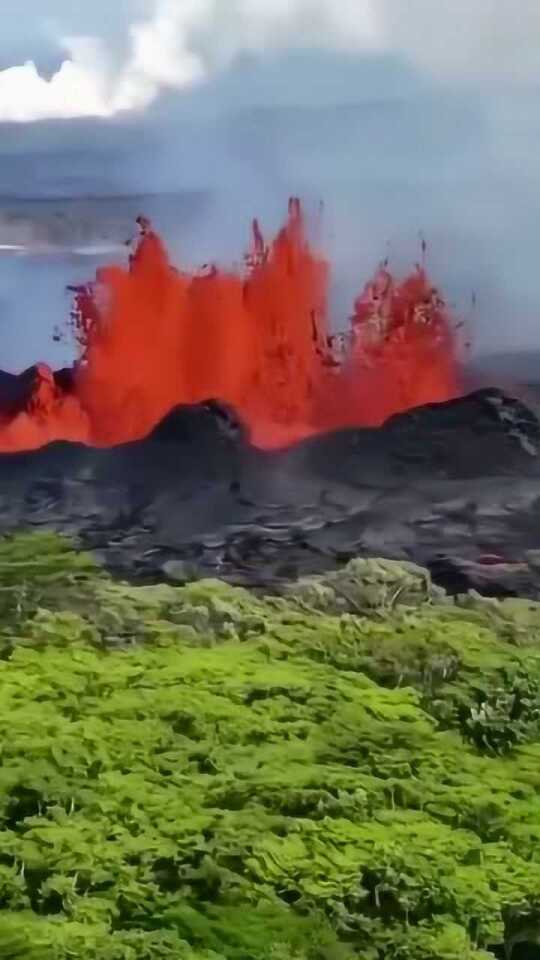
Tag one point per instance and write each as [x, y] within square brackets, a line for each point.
[151, 337]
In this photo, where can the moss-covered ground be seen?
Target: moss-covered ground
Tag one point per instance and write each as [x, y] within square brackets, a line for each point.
[351, 770]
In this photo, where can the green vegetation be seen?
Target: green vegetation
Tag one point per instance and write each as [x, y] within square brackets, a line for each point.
[351, 770]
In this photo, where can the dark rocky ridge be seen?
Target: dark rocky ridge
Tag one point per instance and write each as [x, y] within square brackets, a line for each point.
[17, 389]
[443, 485]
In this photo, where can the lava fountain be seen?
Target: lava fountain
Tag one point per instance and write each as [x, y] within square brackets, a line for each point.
[151, 336]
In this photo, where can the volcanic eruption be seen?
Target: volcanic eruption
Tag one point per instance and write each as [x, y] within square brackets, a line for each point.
[151, 336]
[317, 447]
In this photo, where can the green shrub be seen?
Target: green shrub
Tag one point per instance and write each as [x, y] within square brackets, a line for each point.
[195, 772]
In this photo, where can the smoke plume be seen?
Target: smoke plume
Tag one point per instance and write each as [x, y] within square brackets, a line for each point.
[170, 44]
[177, 45]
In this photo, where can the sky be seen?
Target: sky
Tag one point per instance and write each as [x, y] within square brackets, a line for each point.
[406, 119]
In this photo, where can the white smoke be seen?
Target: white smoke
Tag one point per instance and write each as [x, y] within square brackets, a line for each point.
[183, 41]
[179, 44]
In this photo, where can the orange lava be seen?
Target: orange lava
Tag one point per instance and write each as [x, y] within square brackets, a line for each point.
[151, 337]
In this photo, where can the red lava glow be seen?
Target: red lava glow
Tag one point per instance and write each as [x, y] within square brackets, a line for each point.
[151, 337]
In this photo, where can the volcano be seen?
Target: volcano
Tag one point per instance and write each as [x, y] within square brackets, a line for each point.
[316, 448]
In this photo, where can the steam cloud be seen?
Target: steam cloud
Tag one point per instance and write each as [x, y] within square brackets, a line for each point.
[176, 43]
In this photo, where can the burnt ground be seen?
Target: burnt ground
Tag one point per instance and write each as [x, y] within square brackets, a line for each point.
[454, 486]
